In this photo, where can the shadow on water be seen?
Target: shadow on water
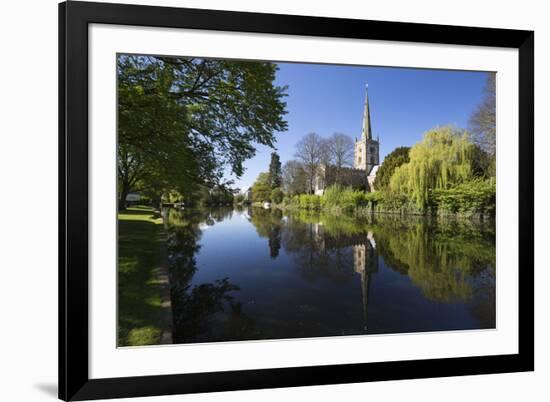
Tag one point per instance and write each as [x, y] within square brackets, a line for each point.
[334, 275]
[205, 311]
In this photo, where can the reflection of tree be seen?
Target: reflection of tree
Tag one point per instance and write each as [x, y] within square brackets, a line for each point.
[449, 261]
[205, 311]
[274, 241]
[318, 252]
[268, 224]
[444, 260]
[484, 304]
[221, 214]
[195, 309]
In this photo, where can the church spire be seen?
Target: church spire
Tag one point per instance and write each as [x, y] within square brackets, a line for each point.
[367, 131]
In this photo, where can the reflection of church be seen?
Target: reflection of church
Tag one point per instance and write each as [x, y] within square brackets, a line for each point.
[365, 257]
[365, 162]
[365, 263]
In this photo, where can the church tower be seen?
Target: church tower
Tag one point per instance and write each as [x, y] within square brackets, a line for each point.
[366, 149]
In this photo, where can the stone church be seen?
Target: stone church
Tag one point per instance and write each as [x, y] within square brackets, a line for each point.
[365, 163]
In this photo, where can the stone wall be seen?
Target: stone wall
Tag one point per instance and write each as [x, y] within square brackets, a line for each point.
[329, 175]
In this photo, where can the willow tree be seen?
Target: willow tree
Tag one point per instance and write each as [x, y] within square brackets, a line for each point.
[444, 157]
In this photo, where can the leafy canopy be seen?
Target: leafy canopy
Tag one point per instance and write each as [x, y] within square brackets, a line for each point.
[443, 158]
[396, 158]
[261, 189]
[275, 172]
[183, 121]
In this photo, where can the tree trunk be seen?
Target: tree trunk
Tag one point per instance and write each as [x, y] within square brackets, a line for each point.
[122, 198]
[157, 202]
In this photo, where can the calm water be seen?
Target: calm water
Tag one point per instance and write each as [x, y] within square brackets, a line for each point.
[263, 274]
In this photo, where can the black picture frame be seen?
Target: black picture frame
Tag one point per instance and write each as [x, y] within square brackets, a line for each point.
[74, 381]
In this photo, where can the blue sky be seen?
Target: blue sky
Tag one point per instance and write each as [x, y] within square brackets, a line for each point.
[404, 103]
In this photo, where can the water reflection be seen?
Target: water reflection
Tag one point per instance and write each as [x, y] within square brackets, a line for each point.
[198, 309]
[258, 274]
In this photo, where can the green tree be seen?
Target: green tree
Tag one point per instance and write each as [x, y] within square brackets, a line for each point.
[261, 189]
[239, 198]
[277, 195]
[151, 125]
[443, 158]
[184, 121]
[396, 158]
[275, 174]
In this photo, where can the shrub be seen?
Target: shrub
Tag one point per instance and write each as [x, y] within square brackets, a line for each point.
[341, 197]
[277, 195]
[472, 197]
[310, 201]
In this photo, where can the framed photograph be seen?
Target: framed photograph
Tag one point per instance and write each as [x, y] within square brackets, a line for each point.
[255, 201]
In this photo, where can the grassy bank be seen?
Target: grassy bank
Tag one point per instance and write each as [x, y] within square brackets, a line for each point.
[140, 236]
[475, 199]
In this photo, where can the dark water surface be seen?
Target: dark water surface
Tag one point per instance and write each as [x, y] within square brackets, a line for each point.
[265, 274]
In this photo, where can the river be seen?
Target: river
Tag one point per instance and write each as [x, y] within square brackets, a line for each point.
[267, 274]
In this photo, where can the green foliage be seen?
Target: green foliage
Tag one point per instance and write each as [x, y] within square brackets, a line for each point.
[275, 173]
[261, 189]
[218, 195]
[153, 135]
[309, 201]
[277, 195]
[144, 336]
[239, 198]
[340, 197]
[396, 158]
[473, 197]
[183, 121]
[442, 159]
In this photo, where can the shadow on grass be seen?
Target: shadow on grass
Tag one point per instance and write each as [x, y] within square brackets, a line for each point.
[139, 304]
[143, 212]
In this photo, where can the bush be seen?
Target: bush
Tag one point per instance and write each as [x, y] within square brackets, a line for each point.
[310, 201]
[277, 195]
[472, 197]
[341, 197]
